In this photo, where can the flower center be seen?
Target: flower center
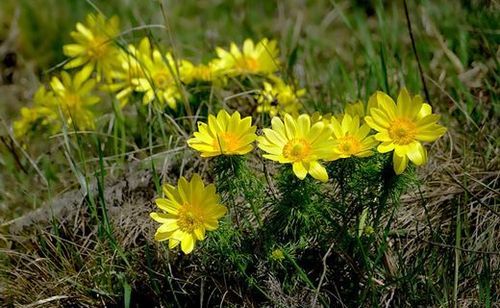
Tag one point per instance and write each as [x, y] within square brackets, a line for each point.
[297, 150]
[188, 220]
[161, 79]
[248, 64]
[72, 100]
[98, 48]
[349, 145]
[402, 131]
[226, 142]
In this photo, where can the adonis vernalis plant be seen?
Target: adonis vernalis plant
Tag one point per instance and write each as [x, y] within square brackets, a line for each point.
[189, 211]
[128, 71]
[402, 126]
[267, 218]
[299, 143]
[93, 47]
[41, 115]
[159, 80]
[74, 97]
[192, 73]
[224, 135]
[142, 71]
[260, 58]
[279, 98]
[351, 139]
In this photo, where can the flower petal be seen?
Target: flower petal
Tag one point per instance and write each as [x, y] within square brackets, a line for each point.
[200, 233]
[317, 171]
[173, 243]
[303, 125]
[160, 237]
[167, 205]
[168, 226]
[187, 243]
[290, 128]
[417, 154]
[385, 147]
[399, 163]
[371, 122]
[299, 170]
[425, 110]
[386, 103]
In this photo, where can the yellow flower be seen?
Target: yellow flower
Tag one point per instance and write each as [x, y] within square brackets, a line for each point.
[351, 139]
[74, 97]
[403, 126]
[355, 109]
[358, 108]
[189, 210]
[202, 72]
[224, 135]
[38, 115]
[93, 46]
[260, 58]
[279, 98]
[298, 142]
[160, 77]
[30, 117]
[124, 77]
[277, 255]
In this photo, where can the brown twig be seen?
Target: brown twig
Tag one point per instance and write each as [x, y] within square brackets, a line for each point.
[414, 47]
[328, 252]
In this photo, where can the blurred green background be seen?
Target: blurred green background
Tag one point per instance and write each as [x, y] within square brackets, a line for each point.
[338, 46]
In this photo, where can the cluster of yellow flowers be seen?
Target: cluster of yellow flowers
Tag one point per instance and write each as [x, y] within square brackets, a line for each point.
[97, 61]
[95, 58]
[69, 96]
[305, 142]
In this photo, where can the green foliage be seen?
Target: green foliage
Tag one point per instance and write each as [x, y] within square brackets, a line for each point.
[303, 221]
[299, 210]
